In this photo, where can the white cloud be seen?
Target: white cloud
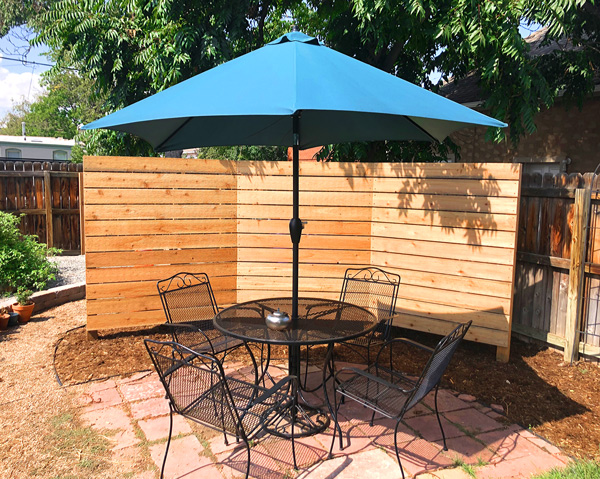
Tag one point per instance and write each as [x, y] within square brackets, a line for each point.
[16, 86]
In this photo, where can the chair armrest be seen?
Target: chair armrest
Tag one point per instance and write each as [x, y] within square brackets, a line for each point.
[410, 342]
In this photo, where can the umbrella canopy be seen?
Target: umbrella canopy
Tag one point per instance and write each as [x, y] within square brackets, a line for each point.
[252, 99]
[291, 92]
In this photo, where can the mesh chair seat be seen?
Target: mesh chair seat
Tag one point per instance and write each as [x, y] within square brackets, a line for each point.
[217, 344]
[386, 391]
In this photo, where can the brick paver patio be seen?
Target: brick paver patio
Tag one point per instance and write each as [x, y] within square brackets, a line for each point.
[136, 413]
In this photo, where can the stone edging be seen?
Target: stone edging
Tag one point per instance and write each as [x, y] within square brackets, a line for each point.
[52, 297]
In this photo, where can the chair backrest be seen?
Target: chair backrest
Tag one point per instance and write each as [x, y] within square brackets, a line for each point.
[197, 390]
[375, 290]
[188, 298]
[437, 364]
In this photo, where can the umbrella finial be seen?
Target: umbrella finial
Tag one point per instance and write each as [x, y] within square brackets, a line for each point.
[295, 28]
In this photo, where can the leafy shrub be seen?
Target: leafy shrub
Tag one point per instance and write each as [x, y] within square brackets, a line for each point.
[23, 260]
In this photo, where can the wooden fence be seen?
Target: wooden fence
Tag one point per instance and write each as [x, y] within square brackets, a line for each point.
[48, 194]
[553, 301]
[448, 229]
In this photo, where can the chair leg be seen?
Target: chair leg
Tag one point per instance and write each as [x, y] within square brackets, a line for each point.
[293, 420]
[162, 469]
[396, 448]
[248, 464]
[437, 413]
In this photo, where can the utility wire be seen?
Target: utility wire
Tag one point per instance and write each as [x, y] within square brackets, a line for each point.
[35, 63]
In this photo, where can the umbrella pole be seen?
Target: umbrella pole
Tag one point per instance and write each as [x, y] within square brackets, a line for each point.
[295, 222]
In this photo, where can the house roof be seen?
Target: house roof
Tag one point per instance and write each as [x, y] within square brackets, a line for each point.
[466, 90]
[36, 141]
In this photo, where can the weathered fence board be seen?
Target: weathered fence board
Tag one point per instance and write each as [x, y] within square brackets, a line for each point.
[449, 230]
[544, 263]
[48, 195]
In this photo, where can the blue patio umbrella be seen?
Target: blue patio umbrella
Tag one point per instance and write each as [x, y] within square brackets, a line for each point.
[291, 92]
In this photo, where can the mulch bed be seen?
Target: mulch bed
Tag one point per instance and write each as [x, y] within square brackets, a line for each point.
[536, 388]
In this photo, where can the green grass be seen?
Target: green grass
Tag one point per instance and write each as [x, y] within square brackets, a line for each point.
[577, 470]
[458, 462]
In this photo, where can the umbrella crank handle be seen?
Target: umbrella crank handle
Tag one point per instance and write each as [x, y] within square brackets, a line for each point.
[296, 227]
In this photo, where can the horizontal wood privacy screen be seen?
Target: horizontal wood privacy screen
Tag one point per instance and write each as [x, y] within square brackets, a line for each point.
[448, 229]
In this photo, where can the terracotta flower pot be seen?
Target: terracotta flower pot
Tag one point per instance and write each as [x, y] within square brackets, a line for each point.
[4, 320]
[24, 311]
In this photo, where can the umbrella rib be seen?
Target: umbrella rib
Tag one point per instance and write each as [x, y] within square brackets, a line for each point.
[421, 128]
[159, 147]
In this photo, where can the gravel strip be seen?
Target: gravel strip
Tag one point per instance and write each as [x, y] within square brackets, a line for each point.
[71, 269]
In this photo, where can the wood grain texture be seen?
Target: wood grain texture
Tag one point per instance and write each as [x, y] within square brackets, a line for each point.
[449, 230]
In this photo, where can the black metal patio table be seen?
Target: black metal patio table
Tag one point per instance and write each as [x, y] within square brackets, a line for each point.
[320, 321]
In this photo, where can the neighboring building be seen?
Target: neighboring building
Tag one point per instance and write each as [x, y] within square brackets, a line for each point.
[34, 148]
[567, 139]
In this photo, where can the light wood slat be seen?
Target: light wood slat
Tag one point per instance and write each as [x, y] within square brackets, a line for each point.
[448, 297]
[484, 287]
[499, 239]
[155, 164]
[143, 318]
[441, 186]
[253, 294]
[315, 270]
[482, 318]
[416, 294]
[129, 305]
[138, 304]
[446, 219]
[314, 198]
[306, 256]
[438, 280]
[158, 180]
[469, 269]
[473, 204]
[173, 241]
[342, 228]
[444, 326]
[124, 319]
[181, 257]
[130, 212]
[307, 242]
[307, 184]
[154, 273]
[488, 171]
[307, 213]
[175, 195]
[164, 227]
[431, 249]
[148, 288]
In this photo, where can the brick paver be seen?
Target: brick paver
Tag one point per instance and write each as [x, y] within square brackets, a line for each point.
[131, 409]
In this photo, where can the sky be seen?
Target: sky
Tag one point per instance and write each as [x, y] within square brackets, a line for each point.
[20, 81]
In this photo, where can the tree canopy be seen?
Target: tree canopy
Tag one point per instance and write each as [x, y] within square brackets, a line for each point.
[133, 48]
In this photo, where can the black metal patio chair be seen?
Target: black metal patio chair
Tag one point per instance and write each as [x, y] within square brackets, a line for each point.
[375, 290]
[190, 306]
[391, 393]
[201, 391]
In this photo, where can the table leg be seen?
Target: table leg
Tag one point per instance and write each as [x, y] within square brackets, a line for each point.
[308, 419]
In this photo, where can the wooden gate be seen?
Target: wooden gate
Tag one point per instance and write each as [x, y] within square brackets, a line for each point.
[48, 194]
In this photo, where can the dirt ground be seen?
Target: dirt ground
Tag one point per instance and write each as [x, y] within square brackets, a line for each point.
[536, 389]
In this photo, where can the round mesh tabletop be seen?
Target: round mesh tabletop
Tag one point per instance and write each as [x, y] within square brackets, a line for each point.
[320, 321]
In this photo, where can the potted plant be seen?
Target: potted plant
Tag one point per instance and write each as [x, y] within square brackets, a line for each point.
[24, 306]
[4, 317]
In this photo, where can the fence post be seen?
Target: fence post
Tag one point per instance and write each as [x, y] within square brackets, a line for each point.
[576, 272]
[81, 214]
[48, 207]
